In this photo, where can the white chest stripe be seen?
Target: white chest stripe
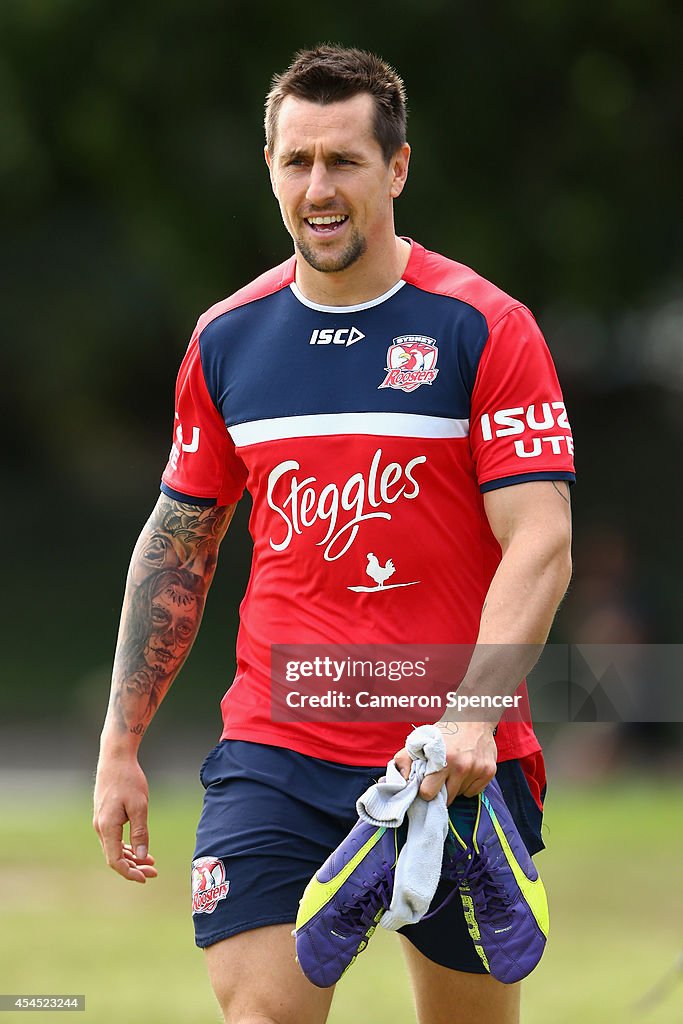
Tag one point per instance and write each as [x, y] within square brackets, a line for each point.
[379, 424]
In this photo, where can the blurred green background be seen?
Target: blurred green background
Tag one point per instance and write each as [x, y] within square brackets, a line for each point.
[547, 154]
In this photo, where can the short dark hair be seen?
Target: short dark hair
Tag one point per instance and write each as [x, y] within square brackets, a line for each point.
[329, 73]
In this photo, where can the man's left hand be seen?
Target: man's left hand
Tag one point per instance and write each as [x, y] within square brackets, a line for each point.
[470, 760]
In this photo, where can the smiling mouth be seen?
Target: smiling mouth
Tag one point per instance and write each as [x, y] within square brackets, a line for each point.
[327, 224]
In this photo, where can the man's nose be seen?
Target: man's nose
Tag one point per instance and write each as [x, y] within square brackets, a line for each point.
[320, 184]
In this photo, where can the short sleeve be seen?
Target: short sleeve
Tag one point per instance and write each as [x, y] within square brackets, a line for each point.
[202, 467]
[519, 430]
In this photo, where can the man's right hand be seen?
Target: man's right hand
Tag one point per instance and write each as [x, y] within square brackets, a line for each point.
[121, 796]
[170, 573]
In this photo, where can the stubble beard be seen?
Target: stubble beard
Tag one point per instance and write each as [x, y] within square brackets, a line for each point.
[356, 248]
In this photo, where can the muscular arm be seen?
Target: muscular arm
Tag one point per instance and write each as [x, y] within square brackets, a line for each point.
[170, 573]
[532, 523]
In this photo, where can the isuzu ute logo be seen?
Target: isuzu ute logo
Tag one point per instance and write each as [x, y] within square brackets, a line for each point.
[180, 445]
[531, 425]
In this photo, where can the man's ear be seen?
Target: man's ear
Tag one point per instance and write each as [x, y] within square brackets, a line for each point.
[269, 161]
[399, 166]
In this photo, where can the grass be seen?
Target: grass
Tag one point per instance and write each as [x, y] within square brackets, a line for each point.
[612, 869]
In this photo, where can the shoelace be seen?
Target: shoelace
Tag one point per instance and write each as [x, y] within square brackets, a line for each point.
[453, 873]
[491, 893]
[360, 914]
[474, 869]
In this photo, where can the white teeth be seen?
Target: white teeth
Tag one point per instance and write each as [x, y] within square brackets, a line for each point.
[337, 219]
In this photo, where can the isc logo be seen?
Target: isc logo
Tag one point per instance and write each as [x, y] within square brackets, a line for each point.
[342, 336]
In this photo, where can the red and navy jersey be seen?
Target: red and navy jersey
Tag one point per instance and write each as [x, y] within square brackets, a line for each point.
[366, 436]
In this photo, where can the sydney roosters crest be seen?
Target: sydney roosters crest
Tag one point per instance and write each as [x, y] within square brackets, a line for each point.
[209, 884]
[411, 362]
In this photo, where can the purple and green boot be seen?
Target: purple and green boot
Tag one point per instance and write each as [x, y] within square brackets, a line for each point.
[344, 902]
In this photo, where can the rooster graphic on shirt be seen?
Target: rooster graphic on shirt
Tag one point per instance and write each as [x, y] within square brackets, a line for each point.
[380, 574]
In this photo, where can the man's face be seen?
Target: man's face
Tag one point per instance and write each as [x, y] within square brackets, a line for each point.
[334, 188]
[174, 617]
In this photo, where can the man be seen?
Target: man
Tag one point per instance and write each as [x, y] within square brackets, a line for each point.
[389, 410]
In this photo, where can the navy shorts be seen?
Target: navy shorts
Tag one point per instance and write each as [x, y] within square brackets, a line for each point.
[271, 817]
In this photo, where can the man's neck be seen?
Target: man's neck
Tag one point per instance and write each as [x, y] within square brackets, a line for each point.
[362, 282]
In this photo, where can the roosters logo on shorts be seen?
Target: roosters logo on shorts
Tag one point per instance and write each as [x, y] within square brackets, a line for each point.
[410, 363]
[209, 885]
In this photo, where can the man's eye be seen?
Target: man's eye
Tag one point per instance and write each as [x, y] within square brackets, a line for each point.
[341, 160]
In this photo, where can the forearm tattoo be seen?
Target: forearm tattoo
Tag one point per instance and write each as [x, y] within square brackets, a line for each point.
[170, 573]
